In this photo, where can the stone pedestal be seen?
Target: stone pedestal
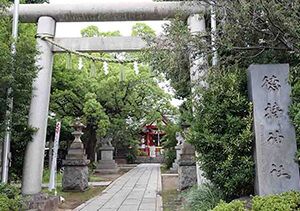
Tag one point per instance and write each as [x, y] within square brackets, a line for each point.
[75, 177]
[275, 141]
[107, 164]
[174, 167]
[187, 172]
[41, 202]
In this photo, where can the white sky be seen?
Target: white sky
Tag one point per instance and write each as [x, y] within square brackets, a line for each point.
[73, 29]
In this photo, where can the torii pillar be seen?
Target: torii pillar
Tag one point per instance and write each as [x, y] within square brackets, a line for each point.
[198, 67]
[38, 115]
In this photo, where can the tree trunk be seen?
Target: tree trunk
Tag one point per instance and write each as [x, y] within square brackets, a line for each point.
[91, 143]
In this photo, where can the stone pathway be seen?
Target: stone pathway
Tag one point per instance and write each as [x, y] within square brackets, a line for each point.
[138, 189]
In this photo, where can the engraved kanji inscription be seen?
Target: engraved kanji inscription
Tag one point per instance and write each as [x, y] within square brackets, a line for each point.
[275, 137]
[279, 171]
[271, 83]
[273, 111]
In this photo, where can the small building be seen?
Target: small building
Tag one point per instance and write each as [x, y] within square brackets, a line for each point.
[151, 137]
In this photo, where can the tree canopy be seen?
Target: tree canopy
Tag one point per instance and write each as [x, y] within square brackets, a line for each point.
[17, 72]
[116, 104]
[248, 32]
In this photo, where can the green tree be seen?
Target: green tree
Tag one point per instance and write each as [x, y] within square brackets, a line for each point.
[142, 30]
[93, 31]
[17, 72]
[247, 32]
[110, 105]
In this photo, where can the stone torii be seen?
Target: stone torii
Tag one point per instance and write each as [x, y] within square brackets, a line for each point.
[47, 15]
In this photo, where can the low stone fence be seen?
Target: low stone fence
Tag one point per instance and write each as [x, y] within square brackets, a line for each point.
[145, 159]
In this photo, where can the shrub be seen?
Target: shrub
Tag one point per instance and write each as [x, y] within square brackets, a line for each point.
[287, 201]
[202, 198]
[169, 142]
[10, 198]
[222, 132]
[232, 206]
[295, 107]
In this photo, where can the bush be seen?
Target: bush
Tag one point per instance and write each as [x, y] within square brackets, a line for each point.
[288, 201]
[222, 132]
[232, 206]
[295, 107]
[10, 198]
[169, 142]
[202, 198]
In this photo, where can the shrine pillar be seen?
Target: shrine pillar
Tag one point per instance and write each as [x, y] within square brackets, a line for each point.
[38, 115]
[198, 68]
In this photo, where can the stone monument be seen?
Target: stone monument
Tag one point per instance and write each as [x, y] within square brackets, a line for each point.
[275, 142]
[107, 164]
[75, 176]
[187, 172]
[178, 148]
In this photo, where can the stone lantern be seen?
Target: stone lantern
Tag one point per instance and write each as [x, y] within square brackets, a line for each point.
[75, 177]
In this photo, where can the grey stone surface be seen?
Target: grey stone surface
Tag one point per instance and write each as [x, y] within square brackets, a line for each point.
[138, 189]
[174, 167]
[107, 153]
[75, 178]
[76, 172]
[107, 164]
[275, 143]
[146, 159]
[41, 202]
[187, 172]
[107, 11]
[187, 176]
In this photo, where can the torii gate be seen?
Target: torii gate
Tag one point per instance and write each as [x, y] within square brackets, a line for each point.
[46, 15]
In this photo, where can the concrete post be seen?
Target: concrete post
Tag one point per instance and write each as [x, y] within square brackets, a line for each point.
[198, 67]
[38, 115]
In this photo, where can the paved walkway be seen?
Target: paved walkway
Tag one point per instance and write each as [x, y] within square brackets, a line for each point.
[136, 190]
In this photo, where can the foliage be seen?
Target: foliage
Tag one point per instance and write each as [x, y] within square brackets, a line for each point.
[262, 32]
[143, 30]
[110, 106]
[132, 151]
[295, 107]
[248, 32]
[202, 198]
[169, 142]
[235, 205]
[10, 198]
[46, 176]
[288, 201]
[93, 31]
[173, 61]
[18, 73]
[222, 132]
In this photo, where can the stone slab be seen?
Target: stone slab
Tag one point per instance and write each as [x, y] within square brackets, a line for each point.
[275, 142]
[138, 189]
[107, 155]
[75, 178]
[187, 176]
[76, 162]
[41, 202]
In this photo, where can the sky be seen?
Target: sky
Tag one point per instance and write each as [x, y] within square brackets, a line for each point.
[73, 29]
